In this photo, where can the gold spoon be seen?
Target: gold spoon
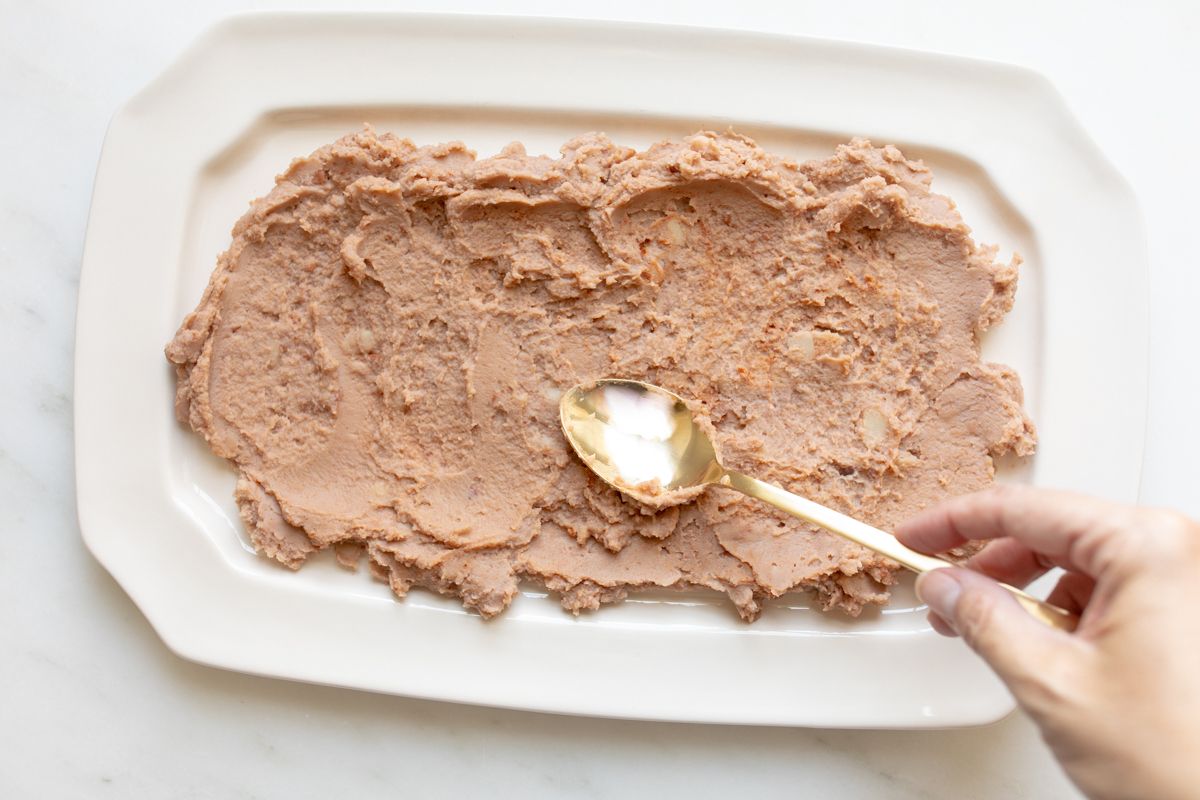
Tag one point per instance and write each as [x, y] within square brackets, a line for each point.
[645, 442]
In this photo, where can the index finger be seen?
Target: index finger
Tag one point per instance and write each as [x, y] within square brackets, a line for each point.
[1070, 528]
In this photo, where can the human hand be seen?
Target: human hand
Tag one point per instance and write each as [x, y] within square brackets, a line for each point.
[1118, 701]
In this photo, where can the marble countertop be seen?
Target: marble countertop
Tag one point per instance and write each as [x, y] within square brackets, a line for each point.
[93, 705]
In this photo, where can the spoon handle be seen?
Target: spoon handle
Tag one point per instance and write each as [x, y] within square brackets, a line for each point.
[880, 541]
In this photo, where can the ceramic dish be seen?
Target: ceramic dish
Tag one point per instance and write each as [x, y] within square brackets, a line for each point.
[182, 159]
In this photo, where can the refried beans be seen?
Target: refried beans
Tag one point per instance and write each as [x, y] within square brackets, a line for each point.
[381, 350]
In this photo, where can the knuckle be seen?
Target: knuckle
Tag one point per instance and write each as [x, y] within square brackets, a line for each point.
[1168, 534]
[993, 506]
[975, 612]
[1137, 538]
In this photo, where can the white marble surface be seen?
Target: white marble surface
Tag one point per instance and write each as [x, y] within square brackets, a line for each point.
[93, 705]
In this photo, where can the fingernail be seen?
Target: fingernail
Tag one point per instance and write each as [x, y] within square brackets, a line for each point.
[939, 590]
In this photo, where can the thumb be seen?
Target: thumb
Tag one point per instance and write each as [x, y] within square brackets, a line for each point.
[990, 620]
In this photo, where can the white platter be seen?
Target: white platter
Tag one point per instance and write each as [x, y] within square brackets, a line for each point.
[183, 157]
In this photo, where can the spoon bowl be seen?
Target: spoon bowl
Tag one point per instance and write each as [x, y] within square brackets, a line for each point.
[640, 439]
[647, 443]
